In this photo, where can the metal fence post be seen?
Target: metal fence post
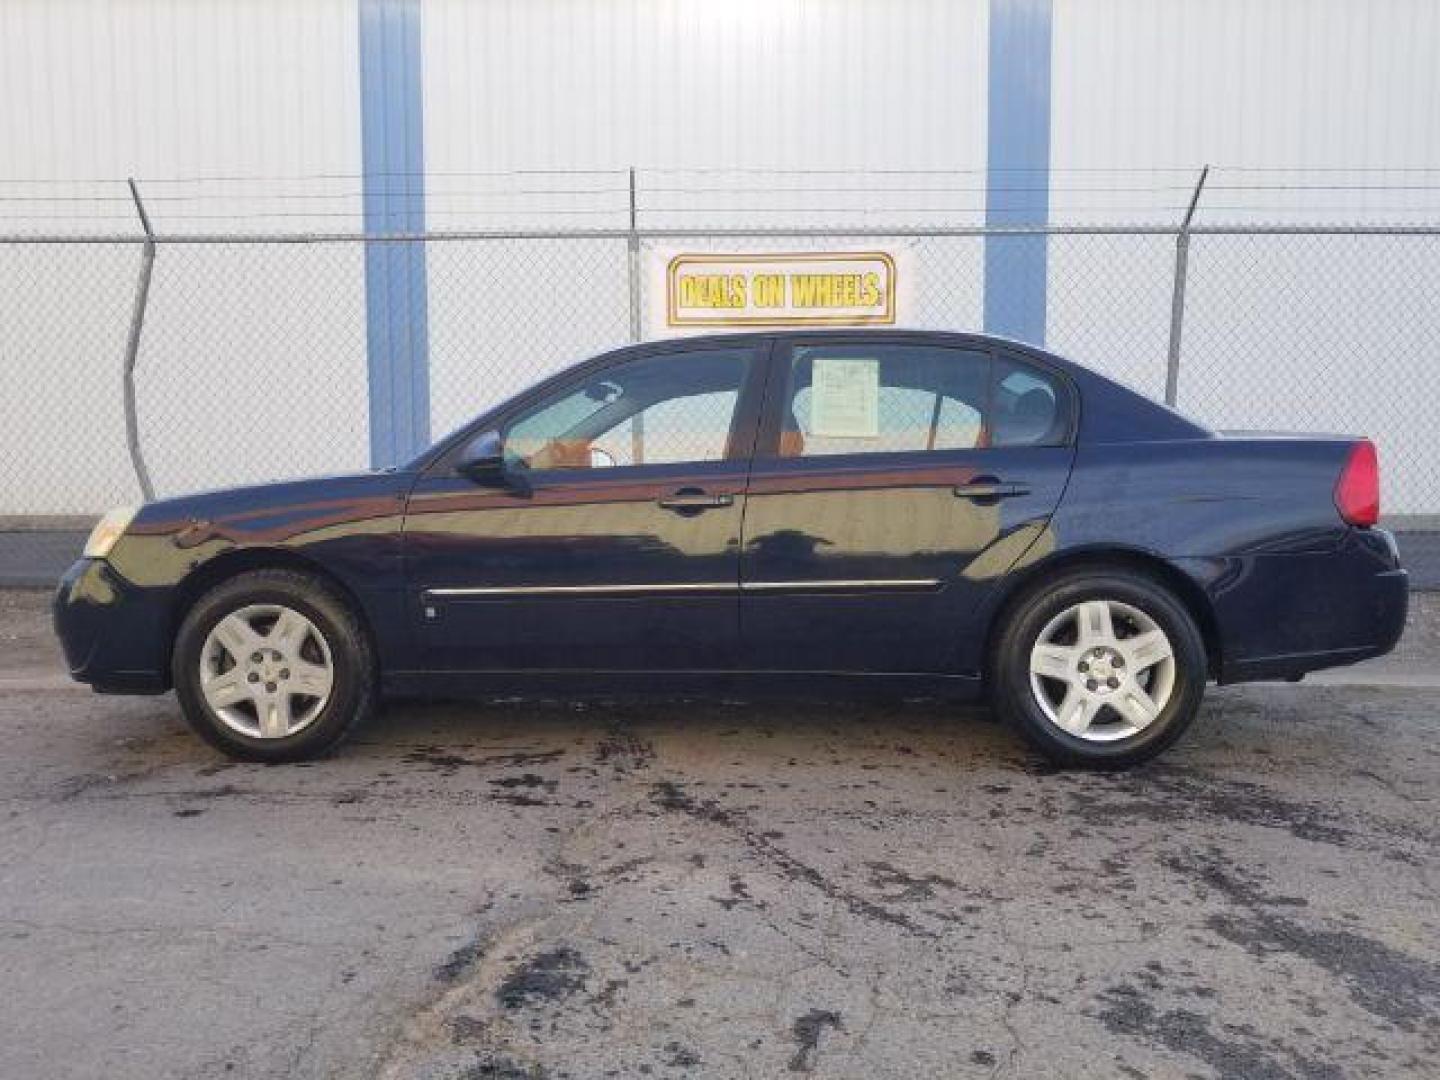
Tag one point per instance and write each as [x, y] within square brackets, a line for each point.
[132, 346]
[633, 246]
[1177, 300]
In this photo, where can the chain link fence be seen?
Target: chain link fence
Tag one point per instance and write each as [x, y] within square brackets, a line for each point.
[252, 365]
[1322, 332]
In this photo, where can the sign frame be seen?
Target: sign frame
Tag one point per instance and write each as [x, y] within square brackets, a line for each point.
[761, 319]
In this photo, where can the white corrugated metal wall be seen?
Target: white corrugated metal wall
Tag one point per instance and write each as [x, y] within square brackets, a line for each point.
[251, 95]
[749, 83]
[264, 98]
[1287, 84]
[177, 88]
[1322, 109]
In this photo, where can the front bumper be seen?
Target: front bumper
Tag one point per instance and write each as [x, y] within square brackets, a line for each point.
[113, 633]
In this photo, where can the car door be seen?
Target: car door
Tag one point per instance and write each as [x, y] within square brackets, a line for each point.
[610, 539]
[895, 481]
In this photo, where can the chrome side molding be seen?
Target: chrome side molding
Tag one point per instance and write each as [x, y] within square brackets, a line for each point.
[852, 583]
[580, 590]
[889, 584]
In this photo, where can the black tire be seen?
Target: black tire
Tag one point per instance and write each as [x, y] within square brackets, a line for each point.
[353, 692]
[1010, 682]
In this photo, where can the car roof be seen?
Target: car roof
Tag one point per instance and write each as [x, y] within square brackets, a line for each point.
[846, 331]
[880, 333]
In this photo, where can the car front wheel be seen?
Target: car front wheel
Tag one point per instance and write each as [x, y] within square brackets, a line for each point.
[273, 665]
[1100, 667]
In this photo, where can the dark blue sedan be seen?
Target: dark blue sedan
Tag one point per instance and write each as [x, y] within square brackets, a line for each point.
[921, 512]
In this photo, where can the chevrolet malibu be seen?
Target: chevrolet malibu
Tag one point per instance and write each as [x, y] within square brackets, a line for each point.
[926, 513]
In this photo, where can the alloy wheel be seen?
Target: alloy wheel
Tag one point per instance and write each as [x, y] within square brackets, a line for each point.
[1102, 670]
[266, 670]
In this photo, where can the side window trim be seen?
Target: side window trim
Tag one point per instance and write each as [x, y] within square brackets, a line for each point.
[749, 415]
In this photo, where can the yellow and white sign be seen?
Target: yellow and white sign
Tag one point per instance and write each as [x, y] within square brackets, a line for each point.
[713, 291]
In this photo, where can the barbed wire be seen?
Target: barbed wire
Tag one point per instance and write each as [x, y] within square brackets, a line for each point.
[732, 196]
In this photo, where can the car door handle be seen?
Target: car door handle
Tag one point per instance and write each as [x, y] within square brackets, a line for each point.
[693, 500]
[990, 489]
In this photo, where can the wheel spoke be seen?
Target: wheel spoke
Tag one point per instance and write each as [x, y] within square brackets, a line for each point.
[274, 712]
[1075, 712]
[1052, 661]
[313, 680]
[227, 689]
[1136, 706]
[1147, 650]
[1094, 626]
[237, 635]
[289, 631]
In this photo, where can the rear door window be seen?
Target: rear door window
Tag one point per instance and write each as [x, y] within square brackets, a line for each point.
[877, 398]
[845, 398]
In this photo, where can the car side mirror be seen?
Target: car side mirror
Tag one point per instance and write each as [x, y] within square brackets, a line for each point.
[483, 461]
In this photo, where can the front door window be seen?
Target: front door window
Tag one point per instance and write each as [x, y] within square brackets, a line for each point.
[676, 409]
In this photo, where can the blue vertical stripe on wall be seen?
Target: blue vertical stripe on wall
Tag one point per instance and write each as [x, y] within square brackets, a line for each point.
[393, 160]
[1018, 180]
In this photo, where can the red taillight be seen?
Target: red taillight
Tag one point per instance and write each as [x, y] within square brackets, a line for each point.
[1357, 492]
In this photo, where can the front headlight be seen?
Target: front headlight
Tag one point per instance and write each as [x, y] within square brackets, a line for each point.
[110, 528]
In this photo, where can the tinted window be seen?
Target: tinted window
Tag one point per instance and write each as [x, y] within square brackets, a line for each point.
[658, 410]
[1028, 408]
[878, 398]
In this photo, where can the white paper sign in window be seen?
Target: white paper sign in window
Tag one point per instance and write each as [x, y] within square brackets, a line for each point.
[845, 398]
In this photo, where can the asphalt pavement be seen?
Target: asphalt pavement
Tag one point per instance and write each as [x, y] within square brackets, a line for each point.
[703, 889]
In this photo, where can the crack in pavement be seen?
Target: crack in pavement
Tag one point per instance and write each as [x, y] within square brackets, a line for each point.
[668, 795]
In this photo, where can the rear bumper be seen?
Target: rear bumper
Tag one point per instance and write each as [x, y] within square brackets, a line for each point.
[1281, 616]
[1386, 610]
[112, 633]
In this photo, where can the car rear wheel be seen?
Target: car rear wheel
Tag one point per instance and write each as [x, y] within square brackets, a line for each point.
[1100, 667]
[273, 665]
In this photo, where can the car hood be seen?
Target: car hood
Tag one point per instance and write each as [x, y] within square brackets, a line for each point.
[288, 504]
